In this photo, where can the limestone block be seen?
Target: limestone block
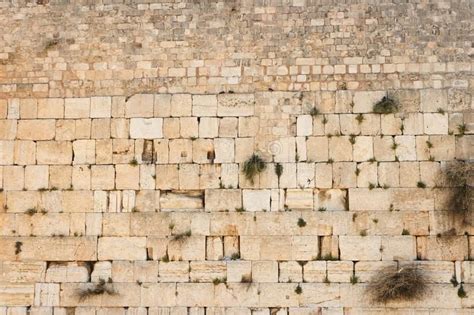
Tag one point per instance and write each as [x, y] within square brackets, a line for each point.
[239, 270]
[14, 177]
[116, 224]
[323, 175]
[209, 176]
[84, 152]
[435, 123]
[65, 130]
[343, 101]
[332, 126]
[192, 248]
[39, 129]
[189, 127]
[444, 147]
[51, 108]
[103, 177]
[314, 271]
[331, 199]
[304, 125]
[442, 248]
[127, 176]
[54, 152]
[180, 151]
[286, 151]
[256, 200]
[290, 271]
[28, 108]
[416, 199]
[365, 100]
[299, 199]
[318, 125]
[339, 271]
[363, 149]
[67, 272]
[162, 105]
[161, 151]
[77, 107]
[173, 271]
[82, 129]
[119, 128]
[101, 107]
[204, 105]
[388, 174]
[171, 128]
[195, 294]
[207, 271]
[214, 248]
[14, 294]
[431, 100]
[222, 199]
[367, 174]
[406, 148]
[409, 174]
[344, 175]
[100, 128]
[383, 149]
[18, 271]
[8, 129]
[317, 149]
[265, 271]
[181, 105]
[181, 200]
[365, 199]
[188, 176]
[282, 294]
[438, 271]
[288, 177]
[167, 177]
[305, 175]
[139, 105]
[235, 105]
[340, 149]
[399, 248]
[148, 200]
[349, 124]
[122, 248]
[36, 177]
[20, 201]
[208, 127]
[145, 271]
[24, 152]
[81, 177]
[413, 124]
[77, 201]
[391, 124]
[360, 247]
[50, 248]
[244, 148]
[371, 125]
[224, 150]
[146, 128]
[248, 126]
[228, 127]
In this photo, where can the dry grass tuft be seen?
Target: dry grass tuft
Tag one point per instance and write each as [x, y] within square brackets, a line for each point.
[102, 287]
[459, 176]
[253, 166]
[397, 284]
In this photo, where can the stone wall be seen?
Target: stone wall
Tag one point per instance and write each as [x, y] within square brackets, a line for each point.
[125, 127]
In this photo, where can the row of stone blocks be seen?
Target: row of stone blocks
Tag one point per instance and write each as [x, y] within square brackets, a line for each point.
[227, 200]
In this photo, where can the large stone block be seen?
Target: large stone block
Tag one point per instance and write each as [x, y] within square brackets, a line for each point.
[40, 129]
[54, 152]
[360, 247]
[146, 128]
[235, 104]
[122, 248]
[139, 105]
[222, 199]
